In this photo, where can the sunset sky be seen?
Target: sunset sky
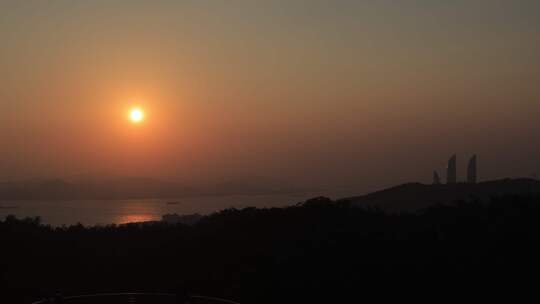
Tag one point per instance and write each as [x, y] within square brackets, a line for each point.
[319, 93]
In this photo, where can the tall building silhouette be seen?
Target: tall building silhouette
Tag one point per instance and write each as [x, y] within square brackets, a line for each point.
[472, 170]
[436, 178]
[451, 170]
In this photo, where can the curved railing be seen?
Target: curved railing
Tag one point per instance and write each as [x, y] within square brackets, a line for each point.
[134, 298]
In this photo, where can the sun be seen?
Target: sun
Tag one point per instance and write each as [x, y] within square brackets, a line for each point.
[136, 115]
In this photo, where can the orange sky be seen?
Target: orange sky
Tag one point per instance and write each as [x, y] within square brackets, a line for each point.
[327, 93]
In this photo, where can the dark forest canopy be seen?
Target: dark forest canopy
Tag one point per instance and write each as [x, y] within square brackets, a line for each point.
[318, 250]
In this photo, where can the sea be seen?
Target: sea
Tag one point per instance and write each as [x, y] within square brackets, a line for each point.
[106, 212]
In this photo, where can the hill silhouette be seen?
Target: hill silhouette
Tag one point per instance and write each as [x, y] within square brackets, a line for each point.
[415, 196]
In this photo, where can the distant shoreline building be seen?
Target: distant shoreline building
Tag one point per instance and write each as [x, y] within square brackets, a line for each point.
[436, 178]
[472, 170]
[451, 170]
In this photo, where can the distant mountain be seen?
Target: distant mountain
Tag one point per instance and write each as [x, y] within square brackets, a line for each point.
[120, 188]
[415, 196]
[134, 188]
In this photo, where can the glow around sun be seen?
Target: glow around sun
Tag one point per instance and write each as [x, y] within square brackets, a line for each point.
[136, 115]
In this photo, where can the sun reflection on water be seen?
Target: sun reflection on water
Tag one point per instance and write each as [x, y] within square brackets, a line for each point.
[135, 218]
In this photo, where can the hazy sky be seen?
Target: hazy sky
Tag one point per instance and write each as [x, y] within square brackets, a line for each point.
[326, 93]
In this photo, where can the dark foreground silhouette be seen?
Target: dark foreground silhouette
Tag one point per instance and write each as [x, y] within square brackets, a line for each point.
[319, 251]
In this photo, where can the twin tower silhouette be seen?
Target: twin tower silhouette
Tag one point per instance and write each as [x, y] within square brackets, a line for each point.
[451, 171]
